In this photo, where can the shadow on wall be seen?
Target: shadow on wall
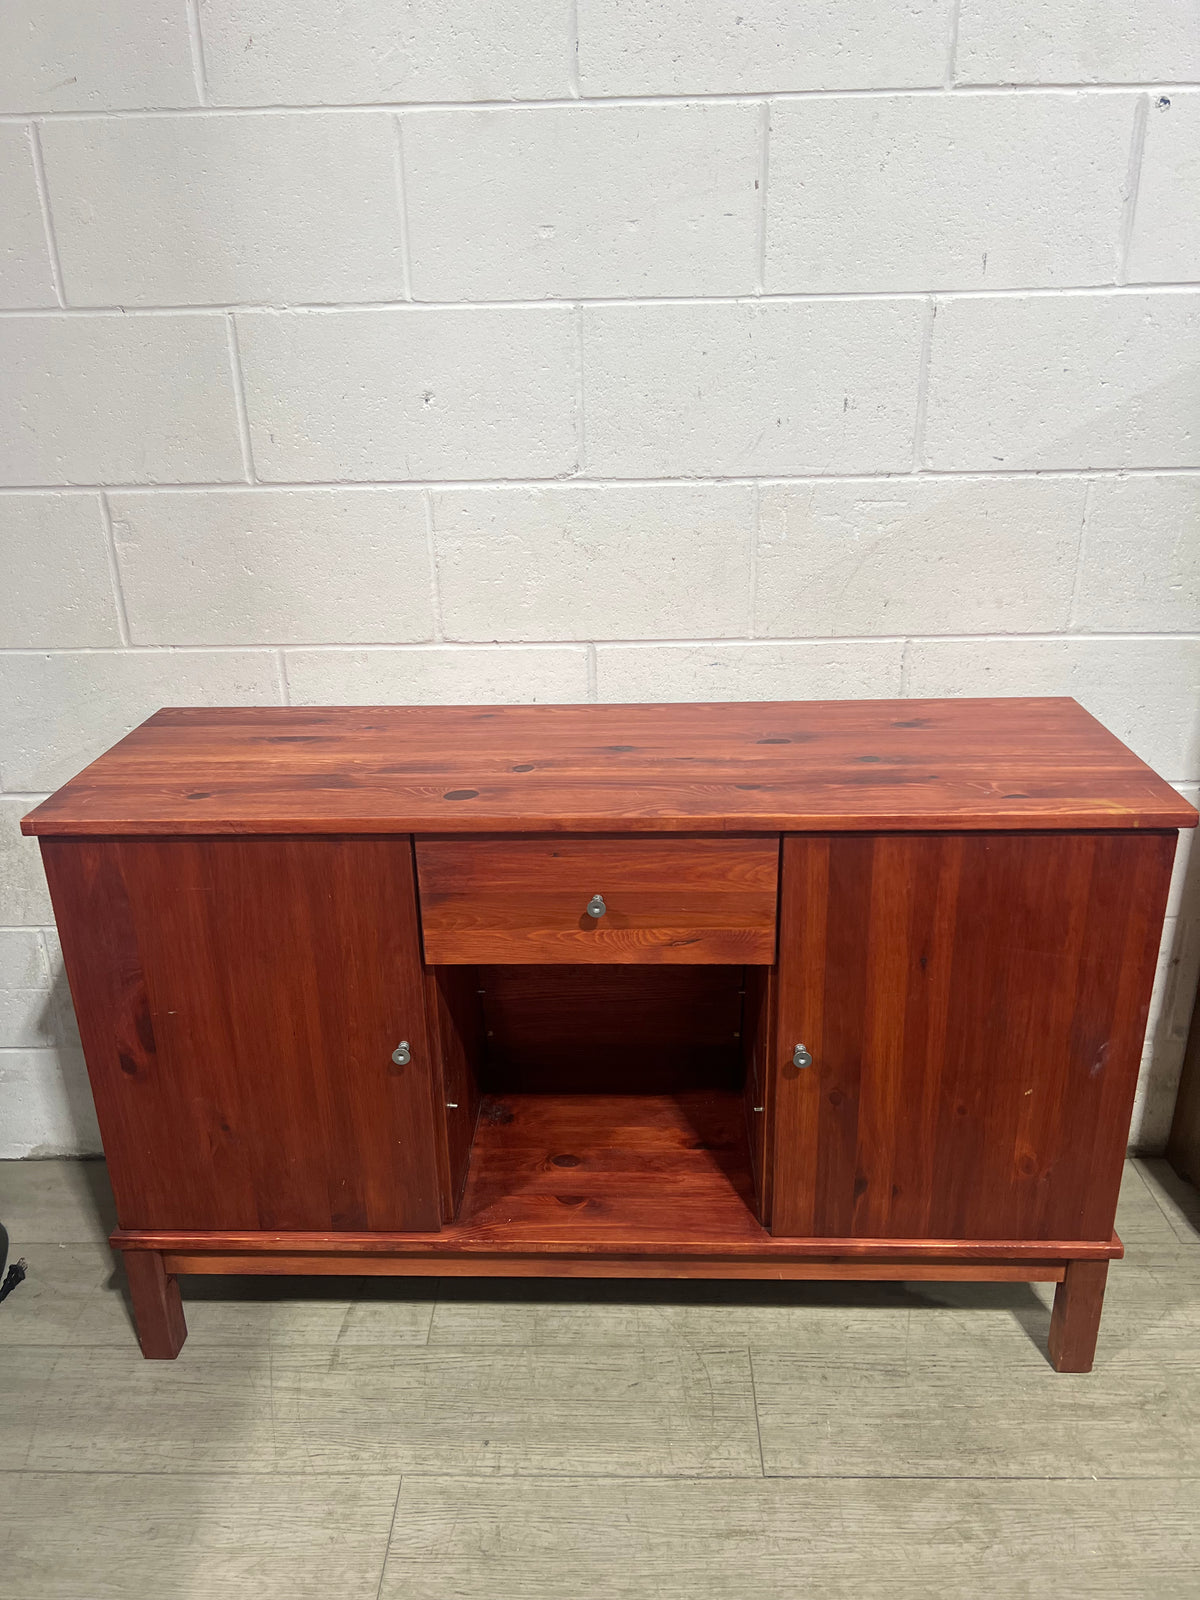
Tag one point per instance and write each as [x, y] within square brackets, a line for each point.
[59, 1112]
[1172, 1006]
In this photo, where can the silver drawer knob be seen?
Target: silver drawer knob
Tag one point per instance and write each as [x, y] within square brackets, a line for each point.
[596, 906]
[801, 1057]
[402, 1055]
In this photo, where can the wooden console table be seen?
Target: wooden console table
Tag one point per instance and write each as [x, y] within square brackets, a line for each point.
[827, 990]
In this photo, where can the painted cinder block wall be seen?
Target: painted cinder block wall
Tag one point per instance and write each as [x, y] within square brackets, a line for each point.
[588, 350]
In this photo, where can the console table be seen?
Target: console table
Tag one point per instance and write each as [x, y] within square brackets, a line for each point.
[811, 990]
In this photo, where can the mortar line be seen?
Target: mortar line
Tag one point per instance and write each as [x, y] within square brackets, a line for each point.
[960, 91]
[905, 648]
[285, 688]
[43, 194]
[764, 164]
[1079, 544]
[402, 203]
[114, 569]
[580, 433]
[552, 305]
[239, 397]
[952, 45]
[682, 641]
[196, 42]
[755, 534]
[573, 49]
[584, 481]
[593, 691]
[1133, 179]
[918, 450]
[435, 596]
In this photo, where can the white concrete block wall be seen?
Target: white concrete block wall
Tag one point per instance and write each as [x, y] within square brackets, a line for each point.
[589, 349]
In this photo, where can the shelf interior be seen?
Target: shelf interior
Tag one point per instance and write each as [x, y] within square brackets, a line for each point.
[611, 1169]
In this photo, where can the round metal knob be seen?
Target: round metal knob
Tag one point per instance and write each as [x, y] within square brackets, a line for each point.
[402, 1055]
[801, 1057]
[596, 906]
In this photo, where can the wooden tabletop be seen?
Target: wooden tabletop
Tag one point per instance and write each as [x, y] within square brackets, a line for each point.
[743, 767]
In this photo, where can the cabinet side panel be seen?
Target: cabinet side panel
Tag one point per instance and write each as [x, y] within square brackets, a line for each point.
[279, 975]
[455, 1019]
[758, 1052]
[134, 1100]
[975, 1005]
[1126, 906]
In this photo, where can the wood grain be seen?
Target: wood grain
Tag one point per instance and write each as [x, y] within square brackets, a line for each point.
[239, 1000]
[975, 1007]
[867, 1537]
[157, 1306]
[609, 1176]
[646, 1029]
[769, 767]
[668, 900]
[1075, 1321]
[166, 1536]
[789, 1269]
[456, 1042]
[758, 1087]
[972, 898]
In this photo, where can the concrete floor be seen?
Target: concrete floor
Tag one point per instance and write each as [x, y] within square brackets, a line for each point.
[492, 1441]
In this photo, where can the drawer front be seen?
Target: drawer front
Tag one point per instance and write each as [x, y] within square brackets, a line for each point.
[523, 900]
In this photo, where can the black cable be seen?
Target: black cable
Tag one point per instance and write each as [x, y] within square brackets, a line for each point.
[14, 1276]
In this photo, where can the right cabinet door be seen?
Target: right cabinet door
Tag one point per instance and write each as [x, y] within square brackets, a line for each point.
[974, 1005]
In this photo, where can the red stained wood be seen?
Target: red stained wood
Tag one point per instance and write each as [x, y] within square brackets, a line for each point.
[455, 1022]
[610, 1030]
[239, 1000]
[1075, 1321]
[758, 1088]
[614, 1176]
[157, 1305]
[277, 1263]
[667, 900]
[968, 914]
[770, 767]
[975, 1007]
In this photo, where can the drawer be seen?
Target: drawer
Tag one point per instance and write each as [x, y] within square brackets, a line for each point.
[677, 899]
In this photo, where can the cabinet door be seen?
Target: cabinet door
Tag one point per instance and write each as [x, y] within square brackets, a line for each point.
[239, 1002]
[974, 1005]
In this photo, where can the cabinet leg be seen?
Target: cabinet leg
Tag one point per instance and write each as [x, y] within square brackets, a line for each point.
[1075, 1321]
[157, 1307]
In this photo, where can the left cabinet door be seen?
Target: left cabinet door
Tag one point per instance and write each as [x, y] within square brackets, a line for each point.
[239, 1002]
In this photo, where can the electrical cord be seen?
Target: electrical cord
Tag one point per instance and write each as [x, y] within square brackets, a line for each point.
[16, 1272]
[14, 1276]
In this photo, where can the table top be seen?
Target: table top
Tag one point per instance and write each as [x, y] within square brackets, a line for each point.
[840, 765]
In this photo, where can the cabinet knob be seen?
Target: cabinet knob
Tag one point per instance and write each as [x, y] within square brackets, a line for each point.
[596, 906]
[801, 1057]
[402, 1055]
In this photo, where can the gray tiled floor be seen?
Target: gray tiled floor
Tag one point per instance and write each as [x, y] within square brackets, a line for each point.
[576, 1441]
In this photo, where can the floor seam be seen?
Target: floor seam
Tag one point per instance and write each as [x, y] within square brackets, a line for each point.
[603, 1477]
[1183, 1239]
[757, 1418]
[387, 1548]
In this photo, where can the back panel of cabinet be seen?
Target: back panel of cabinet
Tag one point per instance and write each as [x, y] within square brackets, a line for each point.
[240, 1000]
[974, 1005]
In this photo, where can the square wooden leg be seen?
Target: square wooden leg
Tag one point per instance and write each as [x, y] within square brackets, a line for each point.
[157, 1307]
[1075, 1321]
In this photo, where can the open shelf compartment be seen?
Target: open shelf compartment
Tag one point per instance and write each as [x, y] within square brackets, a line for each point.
[601, 1101]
